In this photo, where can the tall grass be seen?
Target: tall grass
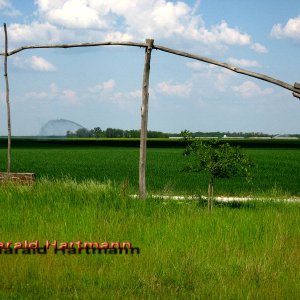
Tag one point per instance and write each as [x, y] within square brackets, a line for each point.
[246, 251]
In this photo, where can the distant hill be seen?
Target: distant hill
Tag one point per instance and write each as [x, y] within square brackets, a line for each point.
[59, 127]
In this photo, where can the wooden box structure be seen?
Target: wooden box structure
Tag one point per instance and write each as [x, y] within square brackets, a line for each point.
[19, 178]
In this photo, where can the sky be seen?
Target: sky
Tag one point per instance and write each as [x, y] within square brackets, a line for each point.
[101, 86]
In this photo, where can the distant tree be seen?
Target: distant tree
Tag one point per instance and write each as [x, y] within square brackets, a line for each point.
[70, 134]
[96, 132]
[83, 133]
[219, 160]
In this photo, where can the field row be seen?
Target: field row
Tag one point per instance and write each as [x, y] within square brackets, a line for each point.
[277, 171]
[151, 142]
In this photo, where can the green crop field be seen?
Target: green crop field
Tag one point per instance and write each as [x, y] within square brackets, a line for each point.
[277, 170]
[238, 251]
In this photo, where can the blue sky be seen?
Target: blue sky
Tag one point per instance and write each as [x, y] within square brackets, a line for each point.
[102, 86]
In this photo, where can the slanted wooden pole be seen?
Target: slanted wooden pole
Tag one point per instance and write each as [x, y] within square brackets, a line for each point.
[144, 120]
[7, 104]
[297, 86]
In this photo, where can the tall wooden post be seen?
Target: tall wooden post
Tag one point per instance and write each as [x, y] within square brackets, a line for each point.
[7, 104]
[144, 120]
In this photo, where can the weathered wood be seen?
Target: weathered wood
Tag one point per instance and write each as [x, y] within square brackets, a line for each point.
[144, 120]
[228, 66]
[19, 178]
[165, 49]
[210, 195]
[7, 104]
[296, 95]
[297, 85]
[108, 43]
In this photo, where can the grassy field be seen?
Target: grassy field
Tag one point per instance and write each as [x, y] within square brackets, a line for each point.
[241, 251]
[277, 171]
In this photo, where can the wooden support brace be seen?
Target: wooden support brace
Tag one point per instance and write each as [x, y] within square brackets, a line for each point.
[297, 86]
[144, 120]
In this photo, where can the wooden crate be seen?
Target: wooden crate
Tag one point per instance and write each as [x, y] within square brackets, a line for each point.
[19, 178]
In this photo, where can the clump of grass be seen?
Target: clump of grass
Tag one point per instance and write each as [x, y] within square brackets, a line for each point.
[249, 251]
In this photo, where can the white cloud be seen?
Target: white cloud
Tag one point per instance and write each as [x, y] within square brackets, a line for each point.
[219, 36]
[72, 14]
[195, 65]
[257, 47]
[243, 62]
[3, 3]
[106, 91]
[222, 79]
[94, 20]
[102, 87]
[36, 63]
[231, 36]
[69, 96]
[180, 90]
[36, 32]
[137, 94]
[196, 6]
[37, 95]
[9, 9]
[250, 89]
[53, 93]
[109, 84]
[291, 30]
[200, 66]
[210, 76]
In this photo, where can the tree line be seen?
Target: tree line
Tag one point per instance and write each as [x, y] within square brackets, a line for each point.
[97, 132]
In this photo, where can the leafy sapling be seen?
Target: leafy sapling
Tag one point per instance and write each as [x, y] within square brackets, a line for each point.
[219, 160]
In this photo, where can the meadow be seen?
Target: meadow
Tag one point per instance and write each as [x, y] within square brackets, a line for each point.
[239, 251]
[242, 250]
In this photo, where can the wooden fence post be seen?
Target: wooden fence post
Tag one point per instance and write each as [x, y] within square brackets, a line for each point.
[7, 104]
[144, 120]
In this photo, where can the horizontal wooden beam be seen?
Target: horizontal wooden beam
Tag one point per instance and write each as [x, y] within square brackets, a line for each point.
[297, 85]
[260, 76]
[49, 46]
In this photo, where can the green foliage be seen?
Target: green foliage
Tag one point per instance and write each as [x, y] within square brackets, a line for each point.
[96, 132]
[220, 160]
[114, 133]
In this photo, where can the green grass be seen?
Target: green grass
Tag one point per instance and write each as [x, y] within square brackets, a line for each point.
[277, 172]
[239, 251]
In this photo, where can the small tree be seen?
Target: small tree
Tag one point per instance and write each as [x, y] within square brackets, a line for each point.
[96, 132]
[83, 133]
[219, 160]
